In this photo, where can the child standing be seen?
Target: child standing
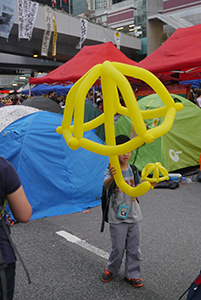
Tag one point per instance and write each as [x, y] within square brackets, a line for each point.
[124, 217]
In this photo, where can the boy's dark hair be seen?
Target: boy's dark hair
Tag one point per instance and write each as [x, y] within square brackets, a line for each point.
[121, 139]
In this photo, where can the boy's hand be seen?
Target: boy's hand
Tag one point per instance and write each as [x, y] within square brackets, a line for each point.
[112, 170]
[110, 179]
[153, 184]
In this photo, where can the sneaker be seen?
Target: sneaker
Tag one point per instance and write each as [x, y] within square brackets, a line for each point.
[106, 276]
[136, 282]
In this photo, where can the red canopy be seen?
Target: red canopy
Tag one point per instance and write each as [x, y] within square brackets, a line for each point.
[86, 58]
[180, 54]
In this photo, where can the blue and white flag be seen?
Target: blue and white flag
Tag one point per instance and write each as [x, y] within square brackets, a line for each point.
[7, 16]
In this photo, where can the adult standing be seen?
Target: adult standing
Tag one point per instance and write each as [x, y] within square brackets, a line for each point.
[198, 100]
[12, 190]
[51, 95]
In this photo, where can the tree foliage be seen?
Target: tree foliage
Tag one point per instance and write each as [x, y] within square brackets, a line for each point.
[79, 6]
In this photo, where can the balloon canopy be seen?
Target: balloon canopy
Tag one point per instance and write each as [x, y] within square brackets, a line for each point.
[113, 78]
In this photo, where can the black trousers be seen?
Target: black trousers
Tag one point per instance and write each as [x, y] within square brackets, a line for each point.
[10, 281]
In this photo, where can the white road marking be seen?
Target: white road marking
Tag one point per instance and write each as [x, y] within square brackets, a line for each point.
[74, 239]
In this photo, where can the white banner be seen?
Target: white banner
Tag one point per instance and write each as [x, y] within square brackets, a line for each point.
[83, 33]
[27, 12]
[47, 32]
[7, 16]
[117, 39]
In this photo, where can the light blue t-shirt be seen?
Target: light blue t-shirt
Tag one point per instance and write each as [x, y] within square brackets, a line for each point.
[119, 197]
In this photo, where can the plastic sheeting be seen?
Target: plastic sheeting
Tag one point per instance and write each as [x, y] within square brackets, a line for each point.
[11, 113]
[43, 89]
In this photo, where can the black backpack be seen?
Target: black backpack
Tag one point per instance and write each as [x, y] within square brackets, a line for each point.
[105, 198]
[194, 290]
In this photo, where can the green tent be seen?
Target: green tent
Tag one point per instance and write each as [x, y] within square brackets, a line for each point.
[179, 148]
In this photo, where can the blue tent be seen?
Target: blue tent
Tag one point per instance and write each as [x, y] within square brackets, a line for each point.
[194, 83]
[56, 179]
[43, 89]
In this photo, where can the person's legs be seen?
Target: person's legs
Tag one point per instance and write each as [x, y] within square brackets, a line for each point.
[10, 281]
[118, 233]
[133, 252]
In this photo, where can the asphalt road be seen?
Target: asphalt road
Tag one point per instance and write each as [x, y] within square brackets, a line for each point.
[59, 269]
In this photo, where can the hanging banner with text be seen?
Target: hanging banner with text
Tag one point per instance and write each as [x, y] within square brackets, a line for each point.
[54, 43]
[117, 39]
[83, 33]
[27, 12]
[7, 16]
[47, 32]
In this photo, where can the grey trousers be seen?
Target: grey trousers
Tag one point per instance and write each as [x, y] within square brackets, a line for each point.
[125, 237]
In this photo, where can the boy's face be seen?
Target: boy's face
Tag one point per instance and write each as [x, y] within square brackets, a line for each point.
[124, 158]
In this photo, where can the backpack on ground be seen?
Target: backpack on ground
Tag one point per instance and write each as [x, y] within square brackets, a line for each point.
[105, 198]
[194, 290]
[169, 184]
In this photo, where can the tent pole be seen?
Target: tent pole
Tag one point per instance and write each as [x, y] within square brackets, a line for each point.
[93, 95]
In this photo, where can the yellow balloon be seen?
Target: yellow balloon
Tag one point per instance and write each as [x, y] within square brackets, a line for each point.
[156, 168]
[113, 78]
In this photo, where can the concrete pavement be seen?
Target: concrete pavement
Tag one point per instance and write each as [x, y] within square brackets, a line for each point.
[59, 269]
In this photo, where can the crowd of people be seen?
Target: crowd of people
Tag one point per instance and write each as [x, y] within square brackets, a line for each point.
[195, 96]
[96, 99]
[9, 100]
[18, 99]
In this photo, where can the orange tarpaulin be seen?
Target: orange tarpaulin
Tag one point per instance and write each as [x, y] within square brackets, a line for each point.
[182, 90]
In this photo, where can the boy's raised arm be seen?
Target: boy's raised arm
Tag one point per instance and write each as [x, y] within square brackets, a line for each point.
[110, 179]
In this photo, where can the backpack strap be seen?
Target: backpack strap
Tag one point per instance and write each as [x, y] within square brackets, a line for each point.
[14, 248]
[3, 265]
[108, 195]
[193, 289]
[136, 177]
[136, 174]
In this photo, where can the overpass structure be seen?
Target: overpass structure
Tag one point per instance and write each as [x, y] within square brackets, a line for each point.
[16, 55]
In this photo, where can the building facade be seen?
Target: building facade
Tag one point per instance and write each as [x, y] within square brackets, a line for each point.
[153, 21]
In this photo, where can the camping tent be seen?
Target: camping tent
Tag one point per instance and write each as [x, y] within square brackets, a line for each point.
[179, 56]
[42, 103]
[43, 89]
[82, 62]
[56, 179]
[11, 113]
[179, 148]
